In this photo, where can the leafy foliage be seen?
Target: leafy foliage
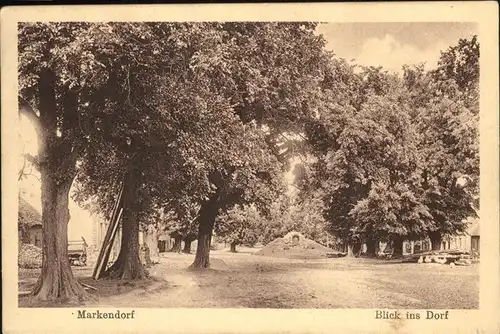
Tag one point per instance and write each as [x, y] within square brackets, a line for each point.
[197, 109]
[299, 215]
[388, 163]
[239, 225]
[449, 144]
[202, 118]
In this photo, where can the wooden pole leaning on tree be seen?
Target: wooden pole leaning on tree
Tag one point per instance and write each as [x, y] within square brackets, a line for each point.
[105, 250]
[109, 245]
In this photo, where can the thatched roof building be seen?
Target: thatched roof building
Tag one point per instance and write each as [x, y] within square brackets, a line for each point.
[28, 215]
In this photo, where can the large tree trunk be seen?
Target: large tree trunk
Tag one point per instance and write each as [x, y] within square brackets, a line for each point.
[187, 246]
[350, 250]
[202, 258]
[56, 281]
[371, 247]
[397, 246]
[187, 242]
[176, 248]
[233, 247]
[206, 218]
[57, 160]
[151, 239]
[436, 239]
[356, 249]
[128, 265]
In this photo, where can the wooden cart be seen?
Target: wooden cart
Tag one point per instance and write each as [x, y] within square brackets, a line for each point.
[77, 252]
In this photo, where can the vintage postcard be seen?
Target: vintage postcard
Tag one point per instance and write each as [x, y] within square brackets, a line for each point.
[251, 168]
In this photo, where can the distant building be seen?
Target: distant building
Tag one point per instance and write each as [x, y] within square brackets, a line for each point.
[466, 241]
[29, 224]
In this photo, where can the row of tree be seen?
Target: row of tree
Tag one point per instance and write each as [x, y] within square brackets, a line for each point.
[387, 158]
[199, 122]
[181, 113]
[398, 157]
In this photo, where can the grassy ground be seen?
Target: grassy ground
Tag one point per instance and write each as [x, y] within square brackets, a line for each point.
[244, 280]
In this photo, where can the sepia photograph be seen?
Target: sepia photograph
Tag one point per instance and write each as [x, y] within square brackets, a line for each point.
[232, 164]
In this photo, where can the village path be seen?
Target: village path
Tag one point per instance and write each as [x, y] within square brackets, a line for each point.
[243, 280]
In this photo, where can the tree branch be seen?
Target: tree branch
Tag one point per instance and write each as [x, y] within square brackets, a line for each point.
[33, 160]
[31, 174]
[21, 172]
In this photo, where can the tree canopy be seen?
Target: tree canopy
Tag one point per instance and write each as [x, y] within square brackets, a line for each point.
[199, 120]
[390, 163]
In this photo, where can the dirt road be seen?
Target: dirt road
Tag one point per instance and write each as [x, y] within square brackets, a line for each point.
[243, 280]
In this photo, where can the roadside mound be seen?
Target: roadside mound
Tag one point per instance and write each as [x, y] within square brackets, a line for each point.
[295, 246]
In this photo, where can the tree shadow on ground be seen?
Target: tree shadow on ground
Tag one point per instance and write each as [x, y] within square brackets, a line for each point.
[243, 251]
[380, 262]
[95, 289]
[113, 287]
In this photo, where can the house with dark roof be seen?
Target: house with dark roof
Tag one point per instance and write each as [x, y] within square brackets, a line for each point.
[29, 224]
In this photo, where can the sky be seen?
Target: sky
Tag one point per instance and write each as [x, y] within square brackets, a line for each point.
[392, 45]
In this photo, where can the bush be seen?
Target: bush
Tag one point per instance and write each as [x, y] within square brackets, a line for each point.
[30, 256]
